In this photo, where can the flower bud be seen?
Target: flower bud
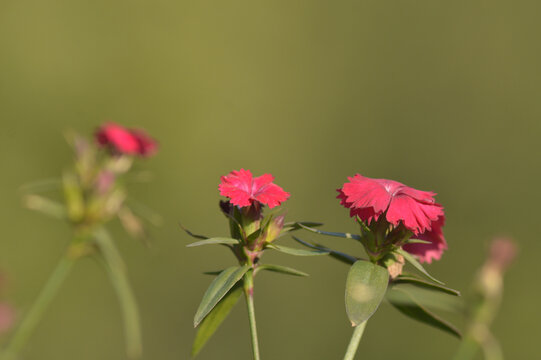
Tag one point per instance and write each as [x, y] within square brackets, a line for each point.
[274, 228]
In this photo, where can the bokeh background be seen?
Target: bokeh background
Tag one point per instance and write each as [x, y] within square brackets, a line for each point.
[442, 96]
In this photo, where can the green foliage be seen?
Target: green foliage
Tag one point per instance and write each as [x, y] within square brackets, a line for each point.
[216, 240]
[202, 237]
[215, 317]
[218, 289]
[340, 256]
[116, 271]
[414, 280]
[336, 234]
[416, 264]
[280, 269]
[296, 252]
[409, 306]
[366, 285]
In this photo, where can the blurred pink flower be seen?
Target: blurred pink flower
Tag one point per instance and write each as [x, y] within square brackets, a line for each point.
[126, 141]
[244, 190]
[147, 145]
[416, 210]
[7, 317]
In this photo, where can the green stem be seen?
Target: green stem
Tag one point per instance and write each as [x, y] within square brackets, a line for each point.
[354, 342]
[34, 315]
[113, 263]
[249, 294]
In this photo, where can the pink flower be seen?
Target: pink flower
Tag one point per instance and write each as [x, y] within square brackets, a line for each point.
[7, 317]
[147, 145]
[432, 251]
[244, 190]
[416, 210]
[126, 141]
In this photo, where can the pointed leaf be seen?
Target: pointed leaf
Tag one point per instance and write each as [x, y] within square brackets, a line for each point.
[217, 290]
[216, 240]
[365, 288]
[117, 274]
[42, 185]
[413, 261]
[296, 224]
[292, 225]
[417, 241]
[281, 269]
[408, 305]
[340, 256]
[215, 273]
[296, 252]
[214, 319]
[425, 284]
[46, 206]
[203, 237]
[337, 234]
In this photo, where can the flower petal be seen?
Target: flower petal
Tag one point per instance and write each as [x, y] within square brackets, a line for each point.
[434, 250]
[147, 145]
[120, 138]
[243, 189]
[264, 191]
[272, 195]
[362, 192]
[237, 186]
[416, 216]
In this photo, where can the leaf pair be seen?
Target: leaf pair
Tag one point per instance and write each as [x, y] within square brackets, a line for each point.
[366, 286]
[220, 298]
[408, 305]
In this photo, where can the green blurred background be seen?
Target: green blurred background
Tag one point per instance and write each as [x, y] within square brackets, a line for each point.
[440, 95]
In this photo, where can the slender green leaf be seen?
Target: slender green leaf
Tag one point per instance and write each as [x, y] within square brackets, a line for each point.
[343, 257]
[216, 240]
[295, 225]
[413, 261]
[46, 206]
[202, 237]
[215, 273]
[365, 288]
[417, 241]
[214, 319]
[42, 185]
[425, 284]
[281, 269]
[117, 274]
[296, 252]
[408, 305]
[217, 290]
[431, 299]
[337, 234]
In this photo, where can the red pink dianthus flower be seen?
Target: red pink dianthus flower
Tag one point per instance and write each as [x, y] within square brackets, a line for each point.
[416, 210]
[126, 141]
[243, 189]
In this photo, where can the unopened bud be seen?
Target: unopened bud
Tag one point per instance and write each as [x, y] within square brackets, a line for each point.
[275, 228]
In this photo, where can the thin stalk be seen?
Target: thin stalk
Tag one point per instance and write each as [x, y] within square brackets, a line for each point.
[249, 294]
[354, 342]
[33, 316]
